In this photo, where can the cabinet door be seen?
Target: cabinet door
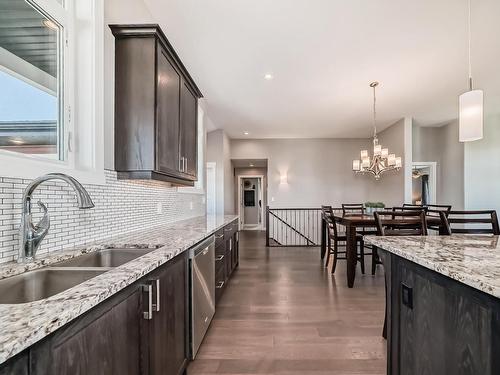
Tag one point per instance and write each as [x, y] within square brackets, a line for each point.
[441, 332]
[189, 132]
[167, 115]
[16, 366]
[229, 257]
[168, 327]
[106, 341]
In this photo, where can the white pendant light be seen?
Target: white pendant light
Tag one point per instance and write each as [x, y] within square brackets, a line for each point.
[470, 103]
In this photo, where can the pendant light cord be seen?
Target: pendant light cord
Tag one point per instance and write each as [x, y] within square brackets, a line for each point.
[469, 43]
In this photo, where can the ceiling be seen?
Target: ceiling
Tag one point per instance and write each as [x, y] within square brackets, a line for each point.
[324, 53]
[23, 33]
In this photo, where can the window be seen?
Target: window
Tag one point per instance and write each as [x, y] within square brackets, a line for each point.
[51, 88]
[31, 83]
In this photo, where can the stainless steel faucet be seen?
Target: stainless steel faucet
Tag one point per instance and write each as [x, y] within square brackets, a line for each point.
[30, 235]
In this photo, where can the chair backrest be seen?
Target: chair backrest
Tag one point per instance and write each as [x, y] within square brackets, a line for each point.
[411, 205]
[401, 223]
[408, 207]
[329, 217]
[326, 211]
[435, 209]
[353, 208]
[467, 218]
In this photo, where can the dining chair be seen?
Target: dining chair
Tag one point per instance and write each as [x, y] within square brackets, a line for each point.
[432, 211]
[473, 222]
[339, 239]
[400, 223]
[353, 208]
[437, 210]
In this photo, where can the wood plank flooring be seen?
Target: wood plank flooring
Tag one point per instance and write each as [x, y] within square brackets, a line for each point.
[283, 313]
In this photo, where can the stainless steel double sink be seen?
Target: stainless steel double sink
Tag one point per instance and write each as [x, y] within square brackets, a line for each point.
[46, 282]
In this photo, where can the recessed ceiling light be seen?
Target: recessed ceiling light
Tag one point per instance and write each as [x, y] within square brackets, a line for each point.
[246, 133]
[268, 76]
[251, 165]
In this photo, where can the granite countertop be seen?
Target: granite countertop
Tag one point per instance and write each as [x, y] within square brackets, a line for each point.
[22, 325]
[473, 260]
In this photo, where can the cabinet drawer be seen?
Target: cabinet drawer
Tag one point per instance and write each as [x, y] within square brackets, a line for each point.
[220, 249]
[229, 230]
[220, 283]
[219, 237]
[220, 262]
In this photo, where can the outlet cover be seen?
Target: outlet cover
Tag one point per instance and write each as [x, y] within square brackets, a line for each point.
[159, 208]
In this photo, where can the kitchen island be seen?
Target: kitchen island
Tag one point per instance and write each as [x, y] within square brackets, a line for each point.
[443, 306]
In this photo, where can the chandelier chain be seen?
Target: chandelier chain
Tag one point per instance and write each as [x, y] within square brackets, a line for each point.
[374, 112]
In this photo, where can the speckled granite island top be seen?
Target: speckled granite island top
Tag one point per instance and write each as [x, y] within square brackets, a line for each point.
[473, 260]
[22, 325]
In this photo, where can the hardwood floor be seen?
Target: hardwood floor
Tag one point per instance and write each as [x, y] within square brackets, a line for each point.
[283, 313]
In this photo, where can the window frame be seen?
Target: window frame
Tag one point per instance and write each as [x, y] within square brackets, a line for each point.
[82, 52]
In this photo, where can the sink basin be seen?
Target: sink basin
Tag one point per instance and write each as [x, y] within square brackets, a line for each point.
[40, 284]
[104, 258]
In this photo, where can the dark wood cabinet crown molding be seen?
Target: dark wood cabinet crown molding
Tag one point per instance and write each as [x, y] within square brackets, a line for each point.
[149, 30]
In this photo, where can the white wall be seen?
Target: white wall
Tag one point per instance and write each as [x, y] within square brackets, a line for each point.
[228, 175]
[441, 145]
[482, 168]
[320, 170]
[219, 152]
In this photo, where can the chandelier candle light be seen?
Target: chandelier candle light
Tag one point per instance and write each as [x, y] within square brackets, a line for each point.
[381, 161]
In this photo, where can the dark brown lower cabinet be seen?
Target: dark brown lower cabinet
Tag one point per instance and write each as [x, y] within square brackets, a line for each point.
[168, 327]
[107, 340]
[437, 325]
[115, 337]
[19, 365]
[227, 257]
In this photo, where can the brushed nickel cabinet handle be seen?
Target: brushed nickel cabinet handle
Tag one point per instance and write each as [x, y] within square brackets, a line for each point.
[220, 284]
[148, 315]
[156, 306]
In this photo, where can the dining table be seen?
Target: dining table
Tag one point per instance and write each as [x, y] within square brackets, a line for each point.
[353, 223]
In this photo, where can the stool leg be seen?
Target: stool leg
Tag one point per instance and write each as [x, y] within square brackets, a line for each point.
[362, 255]
[374, 259]
[335, 254]
[328, 251]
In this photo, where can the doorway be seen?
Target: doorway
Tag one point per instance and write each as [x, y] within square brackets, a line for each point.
[250, 198]
[424, 183]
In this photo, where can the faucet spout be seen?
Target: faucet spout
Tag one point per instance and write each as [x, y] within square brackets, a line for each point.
[30, 235]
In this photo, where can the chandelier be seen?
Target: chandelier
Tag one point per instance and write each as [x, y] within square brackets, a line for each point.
[381, 161]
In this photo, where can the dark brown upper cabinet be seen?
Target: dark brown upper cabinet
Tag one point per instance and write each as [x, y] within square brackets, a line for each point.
[156, 108]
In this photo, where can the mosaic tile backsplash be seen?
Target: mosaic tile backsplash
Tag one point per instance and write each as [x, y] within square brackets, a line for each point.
[120, 206]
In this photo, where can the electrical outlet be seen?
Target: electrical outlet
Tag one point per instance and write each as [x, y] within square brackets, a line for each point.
[203, 200]
[159, 208]
[272, 199]
[191, 205]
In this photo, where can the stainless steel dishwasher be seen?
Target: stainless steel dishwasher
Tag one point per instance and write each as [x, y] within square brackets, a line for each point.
[202, 291]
